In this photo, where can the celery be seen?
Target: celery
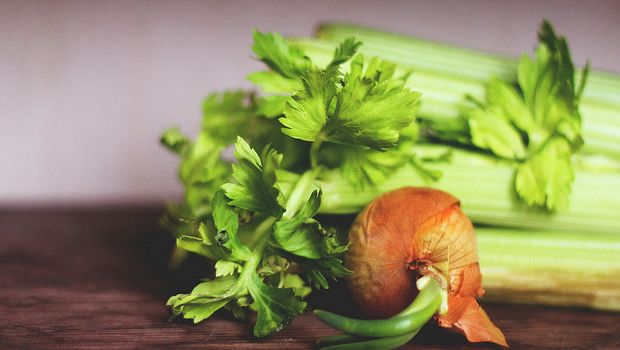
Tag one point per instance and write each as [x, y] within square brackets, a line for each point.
[482, 183]
[565, 258]
[456, 61]
[446, 74]
[554, 268]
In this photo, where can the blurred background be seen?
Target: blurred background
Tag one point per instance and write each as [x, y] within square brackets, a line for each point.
[86, 87]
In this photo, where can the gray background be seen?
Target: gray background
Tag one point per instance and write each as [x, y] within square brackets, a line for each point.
[86, 87]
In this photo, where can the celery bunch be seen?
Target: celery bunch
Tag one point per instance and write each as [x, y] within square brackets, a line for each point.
[529, 254]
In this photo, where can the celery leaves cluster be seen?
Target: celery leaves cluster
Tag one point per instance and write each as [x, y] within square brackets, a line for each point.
[253, 213]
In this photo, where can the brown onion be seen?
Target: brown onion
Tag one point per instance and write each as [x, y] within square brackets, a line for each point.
[409, 233]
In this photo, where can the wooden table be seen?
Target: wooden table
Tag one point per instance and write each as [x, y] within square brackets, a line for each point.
[97, 278]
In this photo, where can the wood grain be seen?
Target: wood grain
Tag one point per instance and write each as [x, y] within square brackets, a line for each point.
[97, 279]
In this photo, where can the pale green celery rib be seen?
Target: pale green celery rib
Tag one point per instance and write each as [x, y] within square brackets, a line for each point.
[458, 62]
[461, 60]
[484, 186]
[474, 60]
[445, 74]
[556, 268]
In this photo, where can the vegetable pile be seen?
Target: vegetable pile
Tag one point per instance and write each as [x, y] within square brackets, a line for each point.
[329, 130]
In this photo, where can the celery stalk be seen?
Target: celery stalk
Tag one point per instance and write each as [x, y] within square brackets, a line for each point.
[454, 60]
[554, 268]
[484, 186]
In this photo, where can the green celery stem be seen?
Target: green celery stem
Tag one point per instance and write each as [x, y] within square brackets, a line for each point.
[485, 187]
[552, 268]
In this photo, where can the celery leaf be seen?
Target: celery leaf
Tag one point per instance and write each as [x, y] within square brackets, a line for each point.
[307, 111]
[489, 130]
[545, 179]
[345, 51]
[256, 179]
[372, 107]
[273, 49]
[227, 224]
[201, 246]
[537, 125]
[203, 300]
[276, 306]
[300, 233]
[174, 140]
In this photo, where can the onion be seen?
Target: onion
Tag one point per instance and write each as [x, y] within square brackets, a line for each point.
[413, 232]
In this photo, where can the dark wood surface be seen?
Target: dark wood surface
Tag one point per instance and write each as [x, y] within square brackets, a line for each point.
[94, 278]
